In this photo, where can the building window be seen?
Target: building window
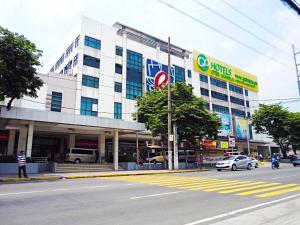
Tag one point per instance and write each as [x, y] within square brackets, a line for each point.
[206, 105]
[69, 50]
[204, 91]
[203, 78]
[118, 68]
[92, 42]
[237, 100]
[89, 106]
[247, 103]
[60, 61]
[118, 87]
[90, 81]
[220, 109]
[77, 41]
[91, 61]
[119, 51]
[237, 112]
[56, 100]
[235, 89]
[134, 78]
[68, 68]
[248, 114]
[75, 60]
[179, 74]
[246, 92]
[218, 95]
[218, 83]
[118, 110]
[189, 73]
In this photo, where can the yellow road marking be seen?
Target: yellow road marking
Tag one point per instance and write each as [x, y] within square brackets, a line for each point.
[266, 189]
[248, 188]
[235, 186]
[279, 192]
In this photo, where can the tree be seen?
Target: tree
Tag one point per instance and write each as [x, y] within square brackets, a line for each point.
[294, 130]
[18, 59]
[188, 111]
[279, 123]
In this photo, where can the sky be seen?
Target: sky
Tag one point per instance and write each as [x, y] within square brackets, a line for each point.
[47, 23]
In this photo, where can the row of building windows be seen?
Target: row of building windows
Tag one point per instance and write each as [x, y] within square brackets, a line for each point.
[237, 112]
[218, 83]
[235, 89]
[237, 101]
[69, 49]
[218, 95]
[203, 78]
[92, 42]
[220, 108]
[204, 91]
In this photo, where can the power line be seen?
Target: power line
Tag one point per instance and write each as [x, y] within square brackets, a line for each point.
[255, 22]
[240, 27]
[222, 33]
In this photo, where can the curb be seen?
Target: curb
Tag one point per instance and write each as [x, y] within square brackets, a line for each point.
[96, 175]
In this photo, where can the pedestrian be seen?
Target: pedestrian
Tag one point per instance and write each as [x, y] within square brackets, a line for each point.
[22, 164]
[260, 157]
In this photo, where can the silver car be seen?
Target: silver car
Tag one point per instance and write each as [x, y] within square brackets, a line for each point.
[234, 162]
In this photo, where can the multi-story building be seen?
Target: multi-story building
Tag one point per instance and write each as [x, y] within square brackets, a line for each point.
[91, 89]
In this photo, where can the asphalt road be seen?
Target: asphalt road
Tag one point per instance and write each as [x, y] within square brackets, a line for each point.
[188, 198]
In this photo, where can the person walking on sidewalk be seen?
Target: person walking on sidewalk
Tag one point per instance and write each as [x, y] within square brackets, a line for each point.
[22, 164]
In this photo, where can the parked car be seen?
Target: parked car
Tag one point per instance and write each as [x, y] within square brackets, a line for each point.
[79, 155]
[160, 157]
[234, 162]
[296, 162]
[254, 162]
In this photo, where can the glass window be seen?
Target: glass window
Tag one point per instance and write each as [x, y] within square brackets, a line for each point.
[118, 87]
[56, 100]
[237, 112]
[218, 83]
[204, 91]
[247, 103]
[88, 106]
[118, 68]
[118, 110]
[77, 41]
[92, 42]
[90, 81]
[75, 60]
[91, 61]
[235, 89]
[134, 78]
[218, 95]
[246, 92]
[189, 73]
[248, 114]
[203, 78]
[236, 100]
[220, 108]
[68, 68]
[206, 105]
[69, 50]
[179, 74]
[119, 51]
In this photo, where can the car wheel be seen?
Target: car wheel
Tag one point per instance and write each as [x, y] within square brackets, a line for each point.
[256, 165]
[77, 161]
[295, 165]
[233, 168]
[249, 167]
[154, 161]
[218, 169]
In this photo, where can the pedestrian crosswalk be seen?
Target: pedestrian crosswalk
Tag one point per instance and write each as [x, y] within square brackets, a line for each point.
[260, 189]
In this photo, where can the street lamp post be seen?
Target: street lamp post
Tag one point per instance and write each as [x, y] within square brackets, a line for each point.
[169, 110]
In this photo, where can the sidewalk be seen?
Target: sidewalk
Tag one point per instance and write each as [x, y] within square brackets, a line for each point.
[57, 176]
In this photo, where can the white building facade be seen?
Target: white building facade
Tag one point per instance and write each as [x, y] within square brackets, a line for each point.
[103, 70]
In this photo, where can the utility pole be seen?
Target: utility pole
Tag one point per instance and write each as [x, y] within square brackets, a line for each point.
[175, 147]
[137, 136]
[296, 65]
[169, 110]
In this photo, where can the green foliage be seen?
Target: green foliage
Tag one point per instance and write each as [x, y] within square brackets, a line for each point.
[280, 124]
[18, 59]
[188, 111]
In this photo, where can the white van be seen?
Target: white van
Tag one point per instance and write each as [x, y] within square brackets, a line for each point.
[81, 155]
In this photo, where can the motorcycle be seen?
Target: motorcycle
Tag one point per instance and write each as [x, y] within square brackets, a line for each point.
[275, 163]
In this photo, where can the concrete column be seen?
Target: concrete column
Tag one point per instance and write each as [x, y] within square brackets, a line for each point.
[11, 142]
[116, 149]
[101, 147]
[72, 141]
[29, 139]
[22, 139]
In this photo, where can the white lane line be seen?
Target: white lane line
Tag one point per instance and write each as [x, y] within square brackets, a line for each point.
[62, 189]
[287, 176]
[241, 210]
[154, 195]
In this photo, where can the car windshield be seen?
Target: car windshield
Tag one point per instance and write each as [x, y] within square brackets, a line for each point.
[229, 158]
